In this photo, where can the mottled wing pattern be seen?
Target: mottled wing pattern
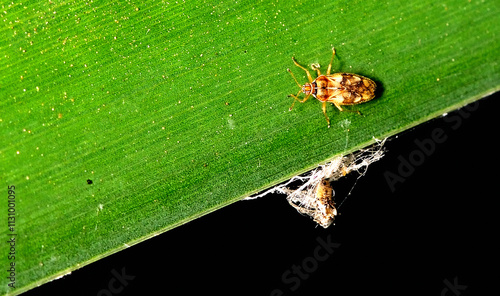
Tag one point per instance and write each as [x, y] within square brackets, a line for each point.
[344, 88]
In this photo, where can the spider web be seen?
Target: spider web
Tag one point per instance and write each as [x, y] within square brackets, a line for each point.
[305, 194]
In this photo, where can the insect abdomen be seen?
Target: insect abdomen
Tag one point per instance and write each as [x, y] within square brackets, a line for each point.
[354, 89]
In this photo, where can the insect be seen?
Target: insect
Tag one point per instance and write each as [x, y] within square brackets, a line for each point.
[338, 88]
[320, 205]
[315, 196]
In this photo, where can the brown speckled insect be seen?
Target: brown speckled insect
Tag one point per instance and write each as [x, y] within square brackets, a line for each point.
[338, 88]
[320, 206]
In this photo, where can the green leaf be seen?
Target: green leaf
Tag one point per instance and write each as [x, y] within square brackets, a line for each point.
[173, 110]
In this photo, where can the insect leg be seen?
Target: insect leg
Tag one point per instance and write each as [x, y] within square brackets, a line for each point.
[297, 99]
[293, 76]
[331, 61]
[307, 71]
[338, 107]
[324, 112]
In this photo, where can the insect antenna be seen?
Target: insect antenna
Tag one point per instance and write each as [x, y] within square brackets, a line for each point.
[293, 76]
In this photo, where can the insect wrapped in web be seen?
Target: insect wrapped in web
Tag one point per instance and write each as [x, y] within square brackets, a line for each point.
[317, 202]
[315, 197]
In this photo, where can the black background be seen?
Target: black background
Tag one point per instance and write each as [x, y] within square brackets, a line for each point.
[439, 224]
